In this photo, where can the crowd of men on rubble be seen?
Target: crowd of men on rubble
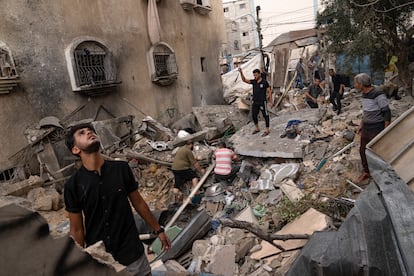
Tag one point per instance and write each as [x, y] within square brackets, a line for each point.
[97, 195]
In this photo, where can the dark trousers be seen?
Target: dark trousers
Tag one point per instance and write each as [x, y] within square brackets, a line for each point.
[335, 99]
[312, 104]
[255, 112]
[366, 137]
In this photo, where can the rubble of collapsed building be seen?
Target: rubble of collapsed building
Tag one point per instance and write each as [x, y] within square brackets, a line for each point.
[291, 183]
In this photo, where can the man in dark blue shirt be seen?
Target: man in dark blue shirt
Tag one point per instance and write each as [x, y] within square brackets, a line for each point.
[96, 197]
[336, 91]
[261, 93]
[313, 93]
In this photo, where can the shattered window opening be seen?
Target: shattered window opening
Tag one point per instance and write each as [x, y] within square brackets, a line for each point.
[163, 64]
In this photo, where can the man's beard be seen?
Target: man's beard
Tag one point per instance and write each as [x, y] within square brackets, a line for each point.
[92, 148]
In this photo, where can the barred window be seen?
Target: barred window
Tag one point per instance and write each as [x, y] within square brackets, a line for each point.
[163, 64]
[91, 66]
[9, 78]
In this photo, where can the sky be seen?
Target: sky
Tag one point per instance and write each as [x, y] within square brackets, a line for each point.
[279, 16]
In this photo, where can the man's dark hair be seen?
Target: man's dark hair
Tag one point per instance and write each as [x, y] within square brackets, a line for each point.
[221, 144]
[70, 140]
[256, 71]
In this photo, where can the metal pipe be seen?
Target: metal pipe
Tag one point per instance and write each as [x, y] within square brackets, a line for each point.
[188, 199]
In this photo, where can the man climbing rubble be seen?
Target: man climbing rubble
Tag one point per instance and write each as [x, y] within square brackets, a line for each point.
[182, 167]
[223, 170]
[337, 90]
[96, 197]
[376, 116]
[262, 94]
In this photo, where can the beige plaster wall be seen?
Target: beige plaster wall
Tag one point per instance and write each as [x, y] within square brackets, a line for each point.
[37, 32]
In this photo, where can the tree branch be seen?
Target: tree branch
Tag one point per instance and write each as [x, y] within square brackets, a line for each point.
[260, 233]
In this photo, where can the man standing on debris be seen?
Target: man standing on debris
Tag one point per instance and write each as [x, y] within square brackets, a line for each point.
[224, 158]
[300, 73]
[96, 197]
[313, 93]
[182, 167]
[337, 90]
[261, 94]
[376, 116]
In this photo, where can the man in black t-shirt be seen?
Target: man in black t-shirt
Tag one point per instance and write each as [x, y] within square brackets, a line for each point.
[261, 93]
[336, 91]
[97, 198]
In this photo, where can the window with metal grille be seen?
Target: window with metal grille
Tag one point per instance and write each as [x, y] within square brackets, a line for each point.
[164, 64]
[90, 64]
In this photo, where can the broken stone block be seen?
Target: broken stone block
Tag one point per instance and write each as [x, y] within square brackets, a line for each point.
[195, 137]
[6, 200]
[283, 171]
[273, 197]
[291, 191]
[174, 266]
[98, 252]
[255, 248]
[234, 235]
[223, 260]
[247, 215]
[309, 222]
[243, 246]
[22, 187]
[201, 248]
[44, 199]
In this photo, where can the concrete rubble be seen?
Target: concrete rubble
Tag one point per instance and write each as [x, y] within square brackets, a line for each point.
[279, 189]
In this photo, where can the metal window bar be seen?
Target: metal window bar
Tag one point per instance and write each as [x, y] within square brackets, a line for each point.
[6, 175]
[165, 63]
[90, 67]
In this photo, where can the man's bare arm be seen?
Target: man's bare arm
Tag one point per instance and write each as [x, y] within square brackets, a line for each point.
[77, 231]
[243, 77]
[143, 210]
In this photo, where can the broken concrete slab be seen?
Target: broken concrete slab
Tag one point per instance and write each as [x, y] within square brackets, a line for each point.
[21, 188]
[44, 199]
[283, 171]
[290, 189]
[247, 215]
[222, 260]
[245, 143]
[98, 252]
[311, 221]
[207, 116]
[195, 137]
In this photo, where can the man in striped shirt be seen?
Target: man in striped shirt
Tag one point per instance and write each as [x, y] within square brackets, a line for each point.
[224, 158]
[376, 116]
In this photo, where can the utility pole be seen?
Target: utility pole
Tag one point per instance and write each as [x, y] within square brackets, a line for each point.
[259, 29]
[259, 32]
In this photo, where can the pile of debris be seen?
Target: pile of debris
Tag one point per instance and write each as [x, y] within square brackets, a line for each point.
[291, 183]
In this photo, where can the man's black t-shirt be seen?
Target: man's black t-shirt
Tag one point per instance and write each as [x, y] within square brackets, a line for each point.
[103, 199]
[259, 91]
[337, 81]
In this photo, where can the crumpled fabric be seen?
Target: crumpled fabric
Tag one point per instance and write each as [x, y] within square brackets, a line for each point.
[154, 26]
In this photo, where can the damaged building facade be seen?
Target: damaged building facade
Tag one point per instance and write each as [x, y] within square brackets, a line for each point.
[134, 58]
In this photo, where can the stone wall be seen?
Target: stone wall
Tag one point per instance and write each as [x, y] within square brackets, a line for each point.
[37, 33]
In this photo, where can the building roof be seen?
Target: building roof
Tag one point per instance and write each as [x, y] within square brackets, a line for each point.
[292, 36]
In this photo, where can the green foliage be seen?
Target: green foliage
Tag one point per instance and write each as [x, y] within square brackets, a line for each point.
[288, 210]
[367, 27]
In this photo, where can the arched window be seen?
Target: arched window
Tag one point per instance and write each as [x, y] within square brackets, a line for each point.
[8, 75]
[91, 66]
[162, 63]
